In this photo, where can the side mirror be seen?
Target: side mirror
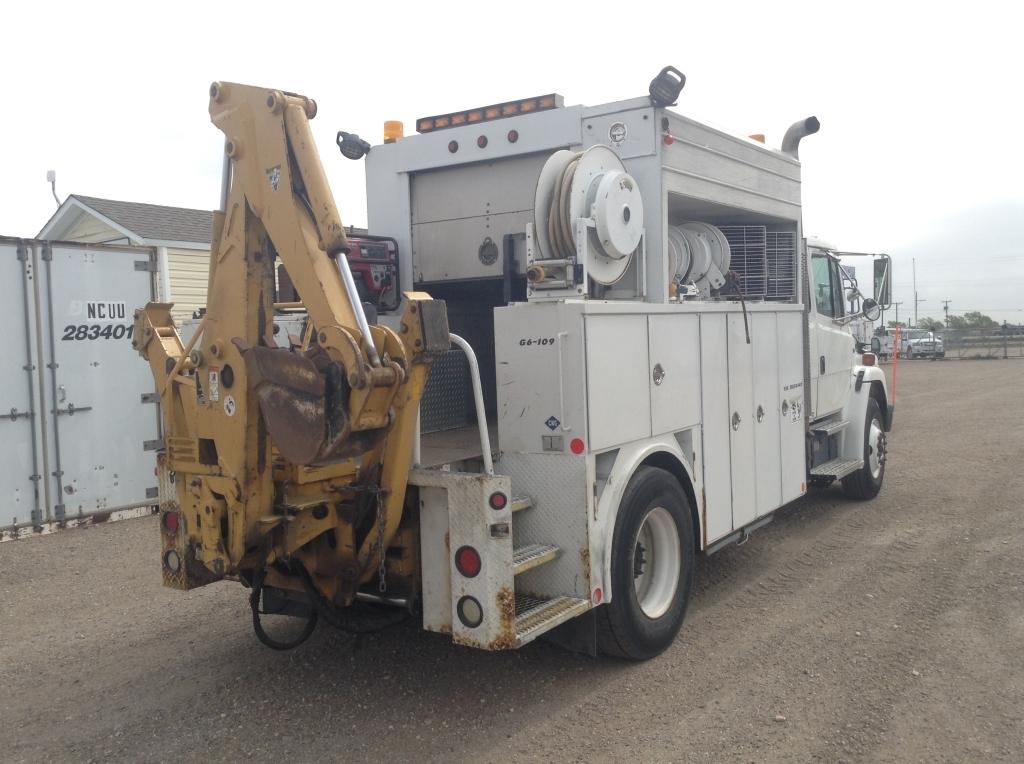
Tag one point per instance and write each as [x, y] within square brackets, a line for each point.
[882, 273]
[871, 309]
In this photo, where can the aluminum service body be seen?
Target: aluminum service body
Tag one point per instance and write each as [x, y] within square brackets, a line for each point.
[79, 425]
[724, 399]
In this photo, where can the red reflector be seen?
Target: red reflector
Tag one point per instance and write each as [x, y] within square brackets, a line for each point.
[481, 141]
[576, 445]
[171, 522]
[668, 140]
[498, 500]
[598, 596]
[513, 136]
[467, 561]
[453, 146]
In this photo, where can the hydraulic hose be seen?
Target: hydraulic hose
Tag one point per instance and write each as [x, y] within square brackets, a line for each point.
[257, 624]
[559, 224]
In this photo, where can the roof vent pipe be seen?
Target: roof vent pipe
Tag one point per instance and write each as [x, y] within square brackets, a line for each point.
[797, 132]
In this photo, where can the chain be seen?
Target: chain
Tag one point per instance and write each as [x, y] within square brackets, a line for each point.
[382, 584]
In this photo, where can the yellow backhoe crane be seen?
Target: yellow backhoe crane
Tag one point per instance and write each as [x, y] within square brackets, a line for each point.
[289, 464]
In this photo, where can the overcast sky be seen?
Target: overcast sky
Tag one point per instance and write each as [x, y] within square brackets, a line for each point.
[919, 153]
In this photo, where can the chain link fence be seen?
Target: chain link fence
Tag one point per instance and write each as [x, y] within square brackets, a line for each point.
[983, 343]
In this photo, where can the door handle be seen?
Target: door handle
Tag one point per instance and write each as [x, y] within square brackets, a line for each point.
[821, 364]
[658, 374]
[71, 409]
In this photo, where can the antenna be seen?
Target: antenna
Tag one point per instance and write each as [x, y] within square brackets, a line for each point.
[51, 178]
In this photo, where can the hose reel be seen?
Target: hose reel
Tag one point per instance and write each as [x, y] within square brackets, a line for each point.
[698, 254]
[585, 191]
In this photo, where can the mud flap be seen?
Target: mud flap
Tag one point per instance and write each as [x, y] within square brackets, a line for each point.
[577, 635]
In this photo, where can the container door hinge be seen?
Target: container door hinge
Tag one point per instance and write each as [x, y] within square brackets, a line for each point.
[145, 265]
[23, 256]
[150, 398]
[58, 512]
[37, 517]
[153, 445]
[47, 252]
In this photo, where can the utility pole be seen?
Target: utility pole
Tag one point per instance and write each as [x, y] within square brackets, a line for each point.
[897, 306]
[913, 270]
[945, 307]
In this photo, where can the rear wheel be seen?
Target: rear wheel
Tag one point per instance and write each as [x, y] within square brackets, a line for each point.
[867, 481]
[652, 568]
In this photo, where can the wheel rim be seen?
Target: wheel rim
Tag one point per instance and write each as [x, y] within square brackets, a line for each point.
[876, 448]
[657, 562]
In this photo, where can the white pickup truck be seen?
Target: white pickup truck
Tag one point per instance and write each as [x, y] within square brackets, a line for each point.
[914, 343]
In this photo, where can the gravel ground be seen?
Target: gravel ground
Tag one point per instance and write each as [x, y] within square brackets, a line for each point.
[883, 631]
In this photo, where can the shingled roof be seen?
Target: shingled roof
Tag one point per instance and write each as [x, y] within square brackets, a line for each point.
[155, 222]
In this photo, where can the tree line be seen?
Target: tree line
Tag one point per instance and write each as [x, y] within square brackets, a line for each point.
[974, 319]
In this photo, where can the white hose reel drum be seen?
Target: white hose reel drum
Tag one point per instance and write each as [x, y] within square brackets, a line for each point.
[592, 184]
[698, 253]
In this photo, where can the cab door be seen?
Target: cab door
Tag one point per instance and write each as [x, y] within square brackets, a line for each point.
[831, 343]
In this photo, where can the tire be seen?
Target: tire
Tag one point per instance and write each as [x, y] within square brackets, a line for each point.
[650, 569]
[866, 482]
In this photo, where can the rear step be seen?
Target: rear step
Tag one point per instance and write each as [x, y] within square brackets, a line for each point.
[536, 616]
[830, 428]
[837, 469]
[528, 557]
[520, 502]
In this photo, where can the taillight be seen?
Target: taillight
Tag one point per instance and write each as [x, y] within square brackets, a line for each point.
[470, 612]
[170, 521]
[498, 500]
[576, 445]
[467, 561]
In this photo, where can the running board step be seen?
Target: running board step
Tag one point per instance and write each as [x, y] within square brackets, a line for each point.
[520, 503]
[535, 617]
[528, 557]
[837, 468]
[830, 428]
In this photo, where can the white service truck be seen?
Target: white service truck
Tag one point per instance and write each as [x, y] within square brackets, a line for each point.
[661, 361]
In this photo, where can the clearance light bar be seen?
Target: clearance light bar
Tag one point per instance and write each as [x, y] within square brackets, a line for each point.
[488, 113]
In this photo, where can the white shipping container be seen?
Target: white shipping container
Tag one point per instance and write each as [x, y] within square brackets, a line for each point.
[79, 427]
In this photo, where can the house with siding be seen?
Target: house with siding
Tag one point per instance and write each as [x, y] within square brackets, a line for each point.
[182, 238]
